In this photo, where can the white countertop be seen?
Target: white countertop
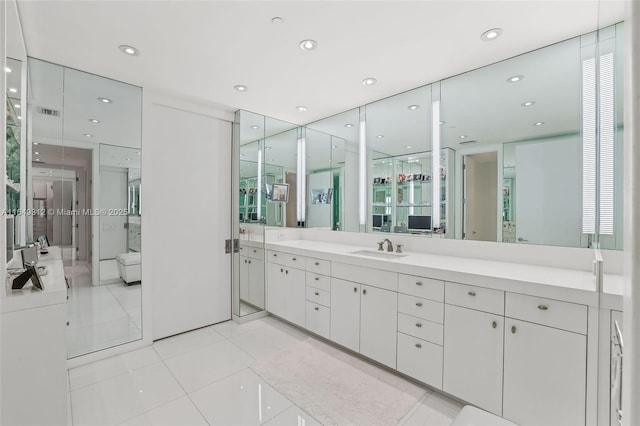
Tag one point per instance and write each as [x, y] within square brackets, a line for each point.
[54, 292]
[563, 284]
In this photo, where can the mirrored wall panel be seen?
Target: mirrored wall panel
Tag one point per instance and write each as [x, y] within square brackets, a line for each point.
[85, 175]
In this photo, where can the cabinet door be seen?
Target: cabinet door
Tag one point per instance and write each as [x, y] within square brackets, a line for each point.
[295, 296]
[378, 324]
[276, 290]
[473, 343]
[244, 278]
[345, 313]
[544, 375]
[256, 282]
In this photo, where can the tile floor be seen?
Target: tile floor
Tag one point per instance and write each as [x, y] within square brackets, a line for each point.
[206, 377]
[100, 316]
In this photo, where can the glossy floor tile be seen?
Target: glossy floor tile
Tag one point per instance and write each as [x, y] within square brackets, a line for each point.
[210, 376]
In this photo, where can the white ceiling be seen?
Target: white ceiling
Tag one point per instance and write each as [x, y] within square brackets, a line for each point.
[200, 49]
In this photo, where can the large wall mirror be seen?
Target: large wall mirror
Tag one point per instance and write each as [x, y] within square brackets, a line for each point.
[84, 175]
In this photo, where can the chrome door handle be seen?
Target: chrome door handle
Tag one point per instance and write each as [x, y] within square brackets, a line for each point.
[418, 345]
[418, 283]
[419, 304]
[418, 325]
[316, 293]
[543, 307]
[317, 263]
[471, 293]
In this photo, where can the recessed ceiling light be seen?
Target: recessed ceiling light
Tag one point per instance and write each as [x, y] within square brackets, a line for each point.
[491, 34]
[255, 126]
[528, 103]
[301, 108]
[413, 107]
[370, 81]
[308, 44]
[36, 153]
[463, 136]
[334, 146]
[138, 152]
[348, 125]
[16, 105]
[129, 50]
[277, 20]
[240, 88]
[267, 147]
[241, 155]
[408, 147]
[539, 123]
[19, 117]
[409, 158]
[35, 143]
[442, 122]
[88, 135]
[7, 69]
[94, 120]
[128, 159]
[13, 90]
[515, 79]
[380, 136]
[37, 159]
[105, 100]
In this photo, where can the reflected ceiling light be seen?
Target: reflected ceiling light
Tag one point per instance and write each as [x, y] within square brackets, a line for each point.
[348, 125]
[334, 146]
[380, 136]
[369, 81]
[128, 159]
[37, 159]
[7, 69]
[35, 143]
[528, 103]
[240, 88]
[13, 90]
[19, 117]
[467, 142]
[255, 126]
[241, 155]
[277, 20]
[413, 107]
[36, 153]
[491, 34]
[463, 136]
[539, 123]
[301, 108]
[267, 147]
[308, 44]
[408, 147]
[442, 122]
[94, 120]
[515, 79]
[105, 100]
[129, 50]
[88, 135]
[16, 105]
[138, 152]
[409, 158]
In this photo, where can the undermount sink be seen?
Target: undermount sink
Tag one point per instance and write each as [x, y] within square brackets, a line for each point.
[378, 254]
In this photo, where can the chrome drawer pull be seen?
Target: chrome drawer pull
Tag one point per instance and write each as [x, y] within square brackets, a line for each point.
[471, 293]
[418, 283]
[286, 272]
[316, 293]
[494, 324]
[275, 255]
[419, 304]
[281, 270]
[294, 259]
[418, 325]
[317, 278]
[254, 251]
[316, 308]
[418, 345]
[317, 263]
[543, 307]
[355, 290]
[513, 329]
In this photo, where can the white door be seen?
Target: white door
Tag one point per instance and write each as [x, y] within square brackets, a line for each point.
[113, 196]
[473, 357]
[256, 282]
[244, 278]
[549, 198]
[378, 324]
[544, 375]
[295, 295]
[345, 313]
[187, 181]
[276, 291]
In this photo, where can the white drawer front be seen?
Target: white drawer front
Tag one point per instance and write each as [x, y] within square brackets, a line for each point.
[286, 259]
[253, 252]
[479, 298]
[318, 266]
[319, 296]
[318, 319]
[554, 313]
[423, 329]
[426, 288]
[420, 360]
[421, 308]
[323, 282]
[359, 274]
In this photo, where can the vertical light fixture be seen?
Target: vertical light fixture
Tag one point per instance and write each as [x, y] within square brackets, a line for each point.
[607, 137]
[589, 146]
[259, 189]
[435, 164]
[362, 173]
[301, 182]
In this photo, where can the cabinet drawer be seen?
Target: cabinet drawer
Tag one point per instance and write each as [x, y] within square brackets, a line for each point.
[426, 288]
[323, 282]
[421, 308]
[554, 313]
[359, 274]
[418, 327]
[420, 359]
[479, 298]
[318, 319]
[287, 259]
[252, 252]
[319, 296]
[318, 266]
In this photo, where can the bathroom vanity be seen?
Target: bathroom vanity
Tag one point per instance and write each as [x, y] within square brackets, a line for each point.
[514, 339]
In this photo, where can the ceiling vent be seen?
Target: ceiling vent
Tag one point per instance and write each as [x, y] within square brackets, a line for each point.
[48, 111]
[468, 142]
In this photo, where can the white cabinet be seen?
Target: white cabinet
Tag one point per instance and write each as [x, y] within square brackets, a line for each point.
[286, 293]
[544, 375]
[256, 282]
[345, 313]
[420, 359]
[378, 324]
[473, 342]
[244, 278]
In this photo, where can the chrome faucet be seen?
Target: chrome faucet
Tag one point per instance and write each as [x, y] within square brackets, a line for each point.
[389, 245]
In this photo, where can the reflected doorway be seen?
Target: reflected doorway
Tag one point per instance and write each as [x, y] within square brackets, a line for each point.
[480, 182]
